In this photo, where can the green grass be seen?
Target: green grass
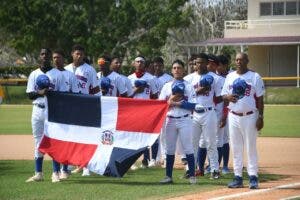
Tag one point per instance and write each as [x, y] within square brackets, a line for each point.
[15, 119]
[282, 121]
[139, 184]
[282, 95]
[15, 95]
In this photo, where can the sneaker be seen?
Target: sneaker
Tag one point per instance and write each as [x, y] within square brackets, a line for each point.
[225, 170]
[215, 175]
[76, 170]
[236, 183]
[199, 173]
[253, 182]
[152, 163]
[64, 175]
[166, 180]
[55, 177]
[85, 172]
[184, 161]
[193, 180]
[207, 170]
[133, 167]
[38, 176]
[185, 175]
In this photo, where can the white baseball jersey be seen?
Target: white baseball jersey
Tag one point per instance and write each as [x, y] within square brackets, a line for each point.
[57, 82]
[86, 76]
[189, 95]
[127, 84]
[117, 84]
[206, 99]
[162, 80]
[71, 81]
[150, 89]
[255, 86]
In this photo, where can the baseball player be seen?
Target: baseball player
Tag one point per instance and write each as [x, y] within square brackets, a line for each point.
[72, 84]
[244, 90]
[111, 83]
[56, 82]
[178, 122]
[222, 70]
[87, 79]
[205, 122]
[115, 66]
[143, 85]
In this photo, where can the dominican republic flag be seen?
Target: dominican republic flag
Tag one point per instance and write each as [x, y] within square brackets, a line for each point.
[105, 134]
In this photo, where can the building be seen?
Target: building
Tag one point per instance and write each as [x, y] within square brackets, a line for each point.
[272, 35]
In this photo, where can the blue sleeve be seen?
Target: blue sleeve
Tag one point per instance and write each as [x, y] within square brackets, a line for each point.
[187, 105]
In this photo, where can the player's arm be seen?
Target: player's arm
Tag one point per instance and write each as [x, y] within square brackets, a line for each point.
[34, 95]
[153, 89]
[260, 108]
[121, 87]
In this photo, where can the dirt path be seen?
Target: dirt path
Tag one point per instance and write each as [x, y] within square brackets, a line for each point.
[276, 156]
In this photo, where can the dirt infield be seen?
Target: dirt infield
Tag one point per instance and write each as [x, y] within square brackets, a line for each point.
[276, 156]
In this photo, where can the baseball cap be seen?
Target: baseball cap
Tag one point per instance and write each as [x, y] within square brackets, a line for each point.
[213, 58]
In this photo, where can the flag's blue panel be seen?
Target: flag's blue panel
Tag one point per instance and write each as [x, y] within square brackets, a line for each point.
[121, 160]
[74, 109]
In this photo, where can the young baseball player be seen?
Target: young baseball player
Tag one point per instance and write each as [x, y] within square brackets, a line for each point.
[205, 122]
[244, 90]
[111, 83]
[55, 82]
[144, 87]
[87, 79]
[116, 64]
[178, 122]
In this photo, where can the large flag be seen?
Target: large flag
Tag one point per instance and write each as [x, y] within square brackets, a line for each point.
[105, 134]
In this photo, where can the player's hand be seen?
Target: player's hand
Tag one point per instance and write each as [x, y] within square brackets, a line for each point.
[232, 98]
[175, 100]
[43, 91]
[104, 92]
[259, 123]
[223, 122]
[138, 90]
[201, 90]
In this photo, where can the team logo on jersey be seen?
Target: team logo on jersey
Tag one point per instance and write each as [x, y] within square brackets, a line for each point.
[107, 137]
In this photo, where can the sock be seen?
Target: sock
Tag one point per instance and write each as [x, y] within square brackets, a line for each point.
[191, 163]
[146, 156]
[201, 158]
[56, 166]
[220, 153]
[39, 164]
[154, 149]
[169, 165]
[65, 168]
[226, 150]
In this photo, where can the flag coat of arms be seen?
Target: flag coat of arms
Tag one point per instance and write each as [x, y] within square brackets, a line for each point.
[105, 134]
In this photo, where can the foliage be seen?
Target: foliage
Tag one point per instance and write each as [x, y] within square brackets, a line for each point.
[139, 184]
[16, 72]
[131, 27]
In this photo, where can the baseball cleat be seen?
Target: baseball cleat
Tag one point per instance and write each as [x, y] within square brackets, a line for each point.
[225, 170]
[166, 180]
[55, 177]
[35, 178]
[236, 183]
[184, 161]
[76, 170]
[207, 170]
[215, 175]
[253, 182]
[152, 163]
[199, 173]
[85, 172]
[193, 180]
[64, 175]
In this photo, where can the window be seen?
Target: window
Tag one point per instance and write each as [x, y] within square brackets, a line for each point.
[291, 8]
[278, 8]
[265, 9]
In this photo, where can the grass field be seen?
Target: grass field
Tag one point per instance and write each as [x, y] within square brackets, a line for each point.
[280, 120]
[139, 184]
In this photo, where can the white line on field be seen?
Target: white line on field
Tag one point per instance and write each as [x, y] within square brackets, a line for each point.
[290, 198]
[289, 186]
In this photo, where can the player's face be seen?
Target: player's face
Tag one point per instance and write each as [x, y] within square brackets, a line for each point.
[158, 67]
[212, 67]
[221, 69]
[115, 64]
[58, 60]
[201, 64]
[241, 61]
[139, 65]
[77, 56]
[177, 71]
[45, 57]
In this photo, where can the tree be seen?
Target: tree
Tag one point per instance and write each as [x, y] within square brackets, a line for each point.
[134, 26]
